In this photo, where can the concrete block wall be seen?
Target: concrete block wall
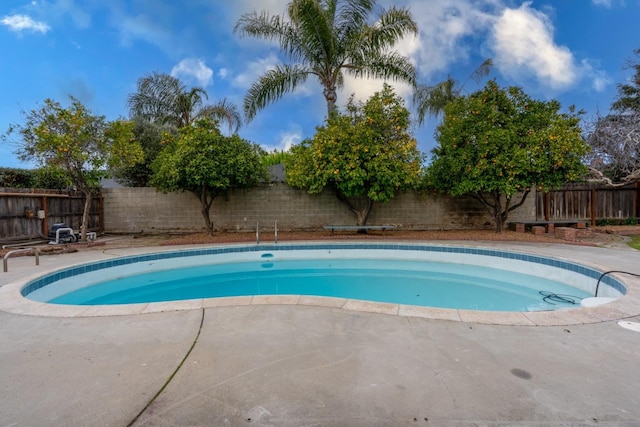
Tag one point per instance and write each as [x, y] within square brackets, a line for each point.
[135, 209]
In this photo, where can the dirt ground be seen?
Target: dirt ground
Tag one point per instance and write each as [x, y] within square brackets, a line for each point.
[610, 236]
[599, 236]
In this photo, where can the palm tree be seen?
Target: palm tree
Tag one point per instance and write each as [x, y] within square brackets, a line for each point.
[164, 99]
[326, 38]
[431, 100]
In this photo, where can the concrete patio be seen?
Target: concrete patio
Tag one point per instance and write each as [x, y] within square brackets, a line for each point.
[306, 365]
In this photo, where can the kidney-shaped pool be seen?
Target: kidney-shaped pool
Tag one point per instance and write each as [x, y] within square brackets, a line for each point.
[408, 274]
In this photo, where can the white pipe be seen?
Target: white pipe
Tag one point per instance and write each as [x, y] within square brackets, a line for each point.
[276, 232]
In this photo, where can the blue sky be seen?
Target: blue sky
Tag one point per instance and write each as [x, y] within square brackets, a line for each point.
[96, 50]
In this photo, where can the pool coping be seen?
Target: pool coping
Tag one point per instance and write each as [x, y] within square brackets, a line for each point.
[12, 301]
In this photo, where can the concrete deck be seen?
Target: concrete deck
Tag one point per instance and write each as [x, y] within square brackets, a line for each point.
[298, 364]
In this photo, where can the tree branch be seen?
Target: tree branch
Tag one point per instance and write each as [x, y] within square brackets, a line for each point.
[521, 202]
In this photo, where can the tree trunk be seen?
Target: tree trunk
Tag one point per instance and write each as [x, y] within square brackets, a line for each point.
[362, 214]
[207, 220]
[206, 201]
[500, 221]
[85, 215]
[500, 214]
[331, 97]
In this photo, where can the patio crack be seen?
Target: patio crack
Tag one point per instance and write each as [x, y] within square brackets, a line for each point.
[155, 396]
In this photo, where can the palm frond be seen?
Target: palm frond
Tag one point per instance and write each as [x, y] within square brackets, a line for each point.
[155, 98]
[351, 16]
[314, 27]
[392, 26]
[482, 71]
[431, 100]
[265, 26]
[388, 66]
[223, 111]
[479, 73]
[186, 104]
[260, 25]
[272, 85]
[355, 13]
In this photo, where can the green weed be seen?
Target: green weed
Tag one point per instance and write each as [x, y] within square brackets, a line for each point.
[634, 242]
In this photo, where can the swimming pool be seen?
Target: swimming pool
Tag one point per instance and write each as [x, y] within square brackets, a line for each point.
[266, 267]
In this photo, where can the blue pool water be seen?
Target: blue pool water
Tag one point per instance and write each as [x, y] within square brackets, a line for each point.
[423, 283]
[414, 274]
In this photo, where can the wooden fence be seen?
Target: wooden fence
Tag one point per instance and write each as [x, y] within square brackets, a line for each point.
[588, 202]
[30, 214]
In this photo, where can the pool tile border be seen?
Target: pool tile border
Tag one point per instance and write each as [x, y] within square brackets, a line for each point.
[12, 296]
[86, 268]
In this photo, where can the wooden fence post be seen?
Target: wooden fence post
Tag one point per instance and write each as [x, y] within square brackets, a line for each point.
[45, 225]
[547, 206]
[637, 199]
[594, 206]
[100, 213]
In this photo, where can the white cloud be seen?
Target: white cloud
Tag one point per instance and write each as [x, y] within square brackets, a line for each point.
[445, 29]
[599, 79]
[273, 6]
[142, 27]
[600, 83]
[80, 17]
[20, 23]
[523, 45]
[291, 136]
[223, 73]
[255, 69]
[605, 3]
[362, 89]
[193, 69]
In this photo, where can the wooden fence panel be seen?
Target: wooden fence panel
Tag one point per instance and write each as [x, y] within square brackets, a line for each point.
[19, 212]
[584, 202]
[616, 203]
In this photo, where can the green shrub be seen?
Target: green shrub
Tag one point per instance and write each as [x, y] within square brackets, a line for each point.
[46, 178]
[618, 221]
[275, 158]
[16, 178]
[51, 178]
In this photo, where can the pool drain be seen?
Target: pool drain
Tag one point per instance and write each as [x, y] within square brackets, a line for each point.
[632, 326]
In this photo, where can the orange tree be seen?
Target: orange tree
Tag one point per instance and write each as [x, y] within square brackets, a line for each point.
[75, 141]
[496, 144]
[206, 163]
[364, 156]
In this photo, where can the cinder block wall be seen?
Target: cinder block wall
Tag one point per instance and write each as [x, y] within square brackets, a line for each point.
[136, 209]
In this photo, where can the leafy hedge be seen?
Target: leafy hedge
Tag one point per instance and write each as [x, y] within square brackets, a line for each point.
[618, 221]
[46, 178]
[275, 158]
